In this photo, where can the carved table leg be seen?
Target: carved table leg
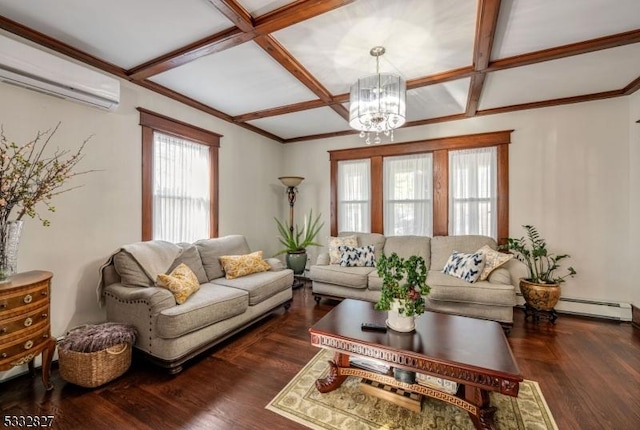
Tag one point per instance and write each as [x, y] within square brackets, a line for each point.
[484, 419]
[333, 380]
[47, 356]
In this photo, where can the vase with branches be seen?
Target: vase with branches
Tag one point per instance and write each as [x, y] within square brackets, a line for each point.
[30, 175]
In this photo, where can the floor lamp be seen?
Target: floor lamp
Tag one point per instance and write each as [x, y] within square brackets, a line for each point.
[291, 182]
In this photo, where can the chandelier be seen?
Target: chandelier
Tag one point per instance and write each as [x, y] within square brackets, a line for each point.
[377, 103]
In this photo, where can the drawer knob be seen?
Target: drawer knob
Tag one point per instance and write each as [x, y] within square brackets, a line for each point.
[44, 315]
[3, 305]
[4, 355]
[43, 293]
[3, 330]
[28, 298]
[45, 336]
[28, 344]
[28, 322]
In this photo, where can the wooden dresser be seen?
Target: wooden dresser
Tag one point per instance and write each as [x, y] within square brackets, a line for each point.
[25, 329]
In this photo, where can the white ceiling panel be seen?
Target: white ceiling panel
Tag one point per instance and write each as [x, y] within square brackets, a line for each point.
[122, 32]
[308, 122]
[239, 80]
[421, 38]
[532, 25]
[260, 7]
[566, 77]
[448, 98]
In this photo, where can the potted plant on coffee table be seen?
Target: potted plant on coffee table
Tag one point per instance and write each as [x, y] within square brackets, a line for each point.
[541, 289]
[404, 287]
[296, 241]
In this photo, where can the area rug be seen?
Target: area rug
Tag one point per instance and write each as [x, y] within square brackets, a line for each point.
[348, 408]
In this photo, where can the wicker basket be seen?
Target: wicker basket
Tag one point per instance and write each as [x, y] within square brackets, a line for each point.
[92, 369]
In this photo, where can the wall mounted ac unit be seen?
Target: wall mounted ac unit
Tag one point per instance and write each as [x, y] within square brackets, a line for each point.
[31, 68]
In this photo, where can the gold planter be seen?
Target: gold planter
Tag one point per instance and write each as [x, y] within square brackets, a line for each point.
[542, 297]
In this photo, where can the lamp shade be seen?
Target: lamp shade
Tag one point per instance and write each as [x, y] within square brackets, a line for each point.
[291, 181]
[377, 103]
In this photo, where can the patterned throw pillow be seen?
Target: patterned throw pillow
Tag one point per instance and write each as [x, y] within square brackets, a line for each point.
[335, 254]
[357, 257]
[492, 260]
[235, 266]
[182, 282]
[464, 266]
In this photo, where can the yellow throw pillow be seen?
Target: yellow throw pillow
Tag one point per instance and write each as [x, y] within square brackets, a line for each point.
[235, 266]
[335, 254]
[182, 282]
[492, 260]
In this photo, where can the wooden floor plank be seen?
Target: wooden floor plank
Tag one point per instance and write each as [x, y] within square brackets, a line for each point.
[588, 371]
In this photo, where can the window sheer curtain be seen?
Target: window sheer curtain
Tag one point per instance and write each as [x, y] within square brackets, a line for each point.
[473, 192]
[408, 202]
[354, 195]
[181, 194]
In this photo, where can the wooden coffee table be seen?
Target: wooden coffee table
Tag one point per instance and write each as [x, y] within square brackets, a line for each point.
[472, 352]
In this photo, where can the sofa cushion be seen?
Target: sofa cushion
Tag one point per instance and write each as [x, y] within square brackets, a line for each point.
[212, 249]
[211, 304]
[236, 266]
[182, 282]
[131, 273]
[492, 260]
[443, 246]
[259, 286]
[464, 266]
[357, 257]
[354, 277]
[448, 288]
[364, 239]
[406, 246]
[334, 243]
[191, 257]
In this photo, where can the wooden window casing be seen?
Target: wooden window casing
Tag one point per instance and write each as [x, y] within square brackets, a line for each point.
[440, 148]
[151, 122]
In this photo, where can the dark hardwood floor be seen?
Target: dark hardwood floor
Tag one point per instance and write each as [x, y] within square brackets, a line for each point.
[588, 370]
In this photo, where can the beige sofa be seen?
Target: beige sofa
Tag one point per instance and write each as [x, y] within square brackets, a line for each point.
[170, 334]
[492, 299]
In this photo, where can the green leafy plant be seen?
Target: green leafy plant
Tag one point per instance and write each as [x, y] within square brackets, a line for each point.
[297, 240]
[404, 280]
[541, 264]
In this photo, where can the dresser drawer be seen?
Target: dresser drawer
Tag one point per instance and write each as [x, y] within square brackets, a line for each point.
[22, 299]
[21, 345]
[11, 327]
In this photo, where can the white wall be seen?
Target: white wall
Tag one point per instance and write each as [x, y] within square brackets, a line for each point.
[569, 176]
[105, 213]
[634, 197]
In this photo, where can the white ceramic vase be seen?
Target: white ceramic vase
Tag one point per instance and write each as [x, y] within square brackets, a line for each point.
[399, 322]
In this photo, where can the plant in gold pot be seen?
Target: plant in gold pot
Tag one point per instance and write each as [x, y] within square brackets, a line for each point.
[404, 287]
[541, 289]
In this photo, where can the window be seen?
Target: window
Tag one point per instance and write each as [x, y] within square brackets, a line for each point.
[408, 206]
[472, 191]
[354, 195]
[179, 180]
[452, 185]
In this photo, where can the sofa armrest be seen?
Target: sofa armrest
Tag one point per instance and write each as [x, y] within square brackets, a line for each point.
[157, 299]
[276, 264]
[500, 276]
[517, 270]
[323, 259]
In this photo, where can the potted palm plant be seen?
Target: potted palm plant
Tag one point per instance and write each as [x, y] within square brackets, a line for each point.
[296, 241]
[541, 289]
[404, 287]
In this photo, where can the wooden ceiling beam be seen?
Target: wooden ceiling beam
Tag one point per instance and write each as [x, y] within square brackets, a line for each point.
[61, 47]
[554, 102]
[282, 110]
[277, 20]
[282, 56]
[341, 110]
[204, 108]
[235, 13]
[578, 48]
[632, 87]
[486, 24]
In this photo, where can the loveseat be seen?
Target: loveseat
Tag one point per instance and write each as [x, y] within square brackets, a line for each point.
[492, 298]
[172, 333]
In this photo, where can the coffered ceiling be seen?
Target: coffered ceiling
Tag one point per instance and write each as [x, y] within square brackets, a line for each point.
[283, 68]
